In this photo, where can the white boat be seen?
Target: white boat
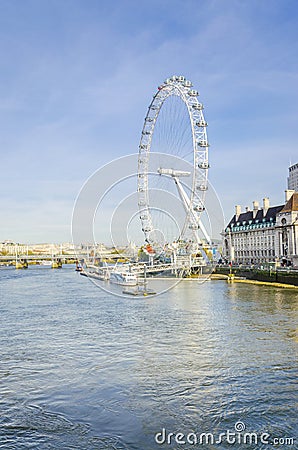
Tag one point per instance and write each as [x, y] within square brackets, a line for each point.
[141, 288]
[46, 263]
[123, 278]
[115, 274]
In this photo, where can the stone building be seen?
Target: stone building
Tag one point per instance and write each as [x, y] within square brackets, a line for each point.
[286, 230]
[263, 235]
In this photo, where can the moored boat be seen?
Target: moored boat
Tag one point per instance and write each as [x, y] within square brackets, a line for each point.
[46, 262]
[123, 278]
[95, 273]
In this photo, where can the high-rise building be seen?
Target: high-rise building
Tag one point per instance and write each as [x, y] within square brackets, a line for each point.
[293, 177]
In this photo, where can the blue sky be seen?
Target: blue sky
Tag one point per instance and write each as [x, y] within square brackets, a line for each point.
[77, 76]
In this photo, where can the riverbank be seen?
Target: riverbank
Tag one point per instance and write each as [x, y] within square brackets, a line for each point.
[271, 277]
[261, 283]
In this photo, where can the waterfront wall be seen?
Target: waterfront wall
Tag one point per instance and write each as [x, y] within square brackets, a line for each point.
[278, 276]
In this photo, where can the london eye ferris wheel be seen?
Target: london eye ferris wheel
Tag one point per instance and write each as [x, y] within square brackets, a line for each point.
[173, 159]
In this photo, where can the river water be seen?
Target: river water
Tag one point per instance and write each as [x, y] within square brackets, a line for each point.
[83, 369]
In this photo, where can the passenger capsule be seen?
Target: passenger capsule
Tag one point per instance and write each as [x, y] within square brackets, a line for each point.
[198, 106]
[204, 165]
[193, 93]
[199, 208]
[203, 144]
[201, 123]
[202, 187]
[187, 83]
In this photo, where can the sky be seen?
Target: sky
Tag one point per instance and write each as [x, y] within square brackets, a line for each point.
[77, 76]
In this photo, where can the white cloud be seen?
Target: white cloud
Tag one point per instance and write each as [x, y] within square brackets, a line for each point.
[75, 95]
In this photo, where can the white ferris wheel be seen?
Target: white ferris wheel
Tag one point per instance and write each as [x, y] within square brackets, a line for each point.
[173, 158]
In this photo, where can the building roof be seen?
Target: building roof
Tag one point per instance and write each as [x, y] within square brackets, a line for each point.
[247, 217]
[292, 204]
[293, 167]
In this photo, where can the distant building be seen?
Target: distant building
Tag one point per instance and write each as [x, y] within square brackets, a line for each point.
[293, 177]
[263, 235]
[9, 247]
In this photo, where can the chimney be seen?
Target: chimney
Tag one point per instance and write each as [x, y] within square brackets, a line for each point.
[246, 208]
[266, 205]
[255, 208]
[289, 193]
[237, 211]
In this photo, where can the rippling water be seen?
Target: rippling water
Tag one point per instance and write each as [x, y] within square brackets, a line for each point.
[82, 369]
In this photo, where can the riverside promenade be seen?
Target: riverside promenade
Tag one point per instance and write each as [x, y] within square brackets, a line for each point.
[280, 275]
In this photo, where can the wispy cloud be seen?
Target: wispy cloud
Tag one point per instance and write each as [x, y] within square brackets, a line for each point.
[76, 79]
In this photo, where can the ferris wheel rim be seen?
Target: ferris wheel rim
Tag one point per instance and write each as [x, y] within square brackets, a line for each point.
[180, 87]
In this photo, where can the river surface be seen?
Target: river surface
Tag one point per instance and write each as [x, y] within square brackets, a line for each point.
[83, 369]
